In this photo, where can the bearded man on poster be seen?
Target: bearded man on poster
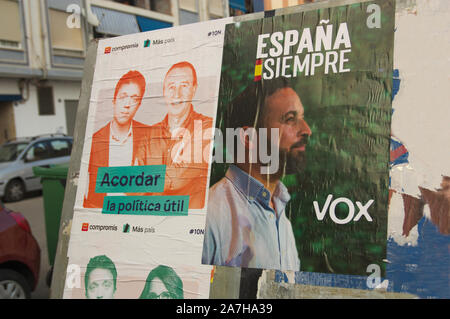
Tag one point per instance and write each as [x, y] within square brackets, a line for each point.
[246, 223]
[116, 143]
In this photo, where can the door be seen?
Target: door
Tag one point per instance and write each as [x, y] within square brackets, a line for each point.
[7, 124]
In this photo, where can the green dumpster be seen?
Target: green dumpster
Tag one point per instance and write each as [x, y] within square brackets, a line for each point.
[53, 181]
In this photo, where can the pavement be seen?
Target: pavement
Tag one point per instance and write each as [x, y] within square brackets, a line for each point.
[33, 209]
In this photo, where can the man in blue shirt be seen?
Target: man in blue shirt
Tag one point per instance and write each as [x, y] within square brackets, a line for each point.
[246, 223]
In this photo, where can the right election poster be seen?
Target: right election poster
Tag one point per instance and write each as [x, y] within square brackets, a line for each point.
[300, 176]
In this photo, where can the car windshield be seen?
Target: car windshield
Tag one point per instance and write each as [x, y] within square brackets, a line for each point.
[9, 152]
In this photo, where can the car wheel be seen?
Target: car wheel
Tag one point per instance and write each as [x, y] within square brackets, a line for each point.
[15, 191]
[13, 285]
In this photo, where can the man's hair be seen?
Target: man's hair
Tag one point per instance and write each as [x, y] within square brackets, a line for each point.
[170, 279]
[184, 64]
[99, 262]
[131, 77]
[247, 109]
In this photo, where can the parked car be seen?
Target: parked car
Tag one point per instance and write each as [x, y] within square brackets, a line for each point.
[20, 256]
[18, 157]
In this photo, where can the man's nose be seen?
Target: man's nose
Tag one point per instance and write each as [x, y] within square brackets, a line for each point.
[100, 293]
[303, 128]
[128, 103]
[179, 92]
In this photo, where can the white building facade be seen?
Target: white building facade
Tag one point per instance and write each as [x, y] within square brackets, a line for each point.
[43, 45]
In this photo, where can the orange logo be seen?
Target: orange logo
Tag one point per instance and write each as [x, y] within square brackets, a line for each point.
[107, 50]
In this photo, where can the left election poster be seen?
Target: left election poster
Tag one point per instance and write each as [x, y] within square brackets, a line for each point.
[139, 214]
[136, 257]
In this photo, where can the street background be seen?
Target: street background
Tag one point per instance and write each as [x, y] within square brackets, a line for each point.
[32, 207]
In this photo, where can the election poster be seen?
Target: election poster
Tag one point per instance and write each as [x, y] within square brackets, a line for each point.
[131, 258]
[418, 258]
[139, 214]
[300, 172]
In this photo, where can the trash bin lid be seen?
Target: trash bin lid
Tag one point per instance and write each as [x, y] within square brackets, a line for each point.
[52, 171]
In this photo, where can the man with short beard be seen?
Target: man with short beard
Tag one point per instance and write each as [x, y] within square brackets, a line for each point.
[246, 223]
[181, 139]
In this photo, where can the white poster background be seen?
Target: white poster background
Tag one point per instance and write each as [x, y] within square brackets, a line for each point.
[174, 241]
[166, 241]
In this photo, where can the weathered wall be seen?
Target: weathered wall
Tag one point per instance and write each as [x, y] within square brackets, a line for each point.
[269, 288]
[418, 255]
[28, 122]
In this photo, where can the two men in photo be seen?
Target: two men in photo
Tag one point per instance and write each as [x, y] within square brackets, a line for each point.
[179, 141]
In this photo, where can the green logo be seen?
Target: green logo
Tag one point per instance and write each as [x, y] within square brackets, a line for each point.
[147, 43]
[126, 228]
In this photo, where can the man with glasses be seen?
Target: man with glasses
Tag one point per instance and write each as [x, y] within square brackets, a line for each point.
[117, 142]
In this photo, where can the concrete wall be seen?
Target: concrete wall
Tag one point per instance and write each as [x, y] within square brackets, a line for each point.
[28, 122]
[36, 34]
[9, 87]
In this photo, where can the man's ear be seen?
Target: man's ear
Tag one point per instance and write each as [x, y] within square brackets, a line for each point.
[140, 103]
[195, 89]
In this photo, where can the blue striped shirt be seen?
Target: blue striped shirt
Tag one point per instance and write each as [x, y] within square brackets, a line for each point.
[242, 229]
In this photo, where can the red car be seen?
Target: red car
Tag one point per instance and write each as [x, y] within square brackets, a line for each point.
[20, 256]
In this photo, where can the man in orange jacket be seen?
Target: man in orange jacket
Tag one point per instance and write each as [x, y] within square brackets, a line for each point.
[182, 140]
[116, 143]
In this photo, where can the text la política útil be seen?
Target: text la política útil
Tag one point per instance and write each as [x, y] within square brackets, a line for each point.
[146, 205]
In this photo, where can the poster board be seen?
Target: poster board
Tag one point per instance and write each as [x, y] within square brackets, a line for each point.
[323, 79]
[351, 282]
[147, 88]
